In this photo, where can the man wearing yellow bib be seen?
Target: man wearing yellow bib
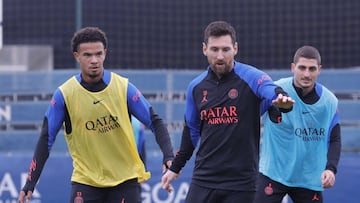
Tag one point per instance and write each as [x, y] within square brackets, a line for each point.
[94, 107]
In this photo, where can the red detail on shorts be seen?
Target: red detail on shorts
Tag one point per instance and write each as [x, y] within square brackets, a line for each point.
[78, 198]
[269, 190]
[279, 119]
[315, 197]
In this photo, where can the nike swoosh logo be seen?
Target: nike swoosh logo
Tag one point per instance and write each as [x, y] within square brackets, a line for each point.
[97, 101]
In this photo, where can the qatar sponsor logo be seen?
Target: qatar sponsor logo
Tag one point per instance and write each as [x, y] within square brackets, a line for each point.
[310, 134]
[103, 124]
[220, 115]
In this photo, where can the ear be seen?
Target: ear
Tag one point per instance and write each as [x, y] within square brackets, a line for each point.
[293, 67]
[235, 48]
[76, 56]
[204, 48]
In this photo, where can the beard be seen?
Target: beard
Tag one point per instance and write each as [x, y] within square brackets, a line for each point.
[221, 68]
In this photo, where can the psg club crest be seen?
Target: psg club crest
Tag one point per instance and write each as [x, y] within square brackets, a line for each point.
[233, 93]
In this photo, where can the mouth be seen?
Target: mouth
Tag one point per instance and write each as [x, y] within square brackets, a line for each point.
[221, 64]
[306, 81]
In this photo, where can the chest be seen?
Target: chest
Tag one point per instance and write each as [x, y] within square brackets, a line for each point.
[224, 98]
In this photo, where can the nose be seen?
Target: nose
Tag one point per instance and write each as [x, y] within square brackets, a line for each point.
[93, 59]
[220, 55]
[307, 73]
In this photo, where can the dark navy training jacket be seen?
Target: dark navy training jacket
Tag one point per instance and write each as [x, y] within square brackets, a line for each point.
[224, 115]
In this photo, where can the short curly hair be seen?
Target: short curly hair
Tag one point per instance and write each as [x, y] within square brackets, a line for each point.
[88, 34]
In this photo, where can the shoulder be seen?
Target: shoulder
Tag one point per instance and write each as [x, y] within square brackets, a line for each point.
[251, 75]
[245, 68]
[249, 72]
[108, 75]
[198, 79]
[325, 92]
[70, 82]
[283, 81]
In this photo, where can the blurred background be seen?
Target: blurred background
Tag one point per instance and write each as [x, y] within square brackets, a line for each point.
[157, 44]
[161, 34]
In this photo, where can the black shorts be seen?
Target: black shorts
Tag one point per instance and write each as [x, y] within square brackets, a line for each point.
[128, 191]
[198, 194]
[270, 191]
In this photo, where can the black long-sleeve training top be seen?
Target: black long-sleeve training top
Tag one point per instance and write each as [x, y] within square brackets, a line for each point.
[224, 114]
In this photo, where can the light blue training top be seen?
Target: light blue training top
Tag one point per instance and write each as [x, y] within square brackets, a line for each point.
[294, 152]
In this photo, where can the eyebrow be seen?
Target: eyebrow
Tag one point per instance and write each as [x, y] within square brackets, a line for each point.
[310, 67]
[96, 53]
